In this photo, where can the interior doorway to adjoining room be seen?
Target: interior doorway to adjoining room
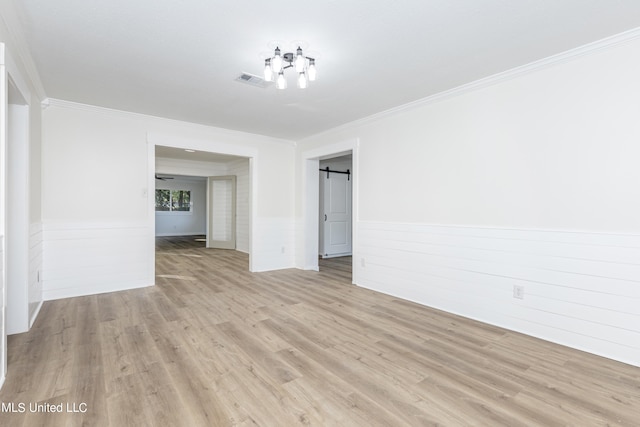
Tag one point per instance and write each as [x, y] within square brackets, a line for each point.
[189, 204]
[310, 258]
[335, 214]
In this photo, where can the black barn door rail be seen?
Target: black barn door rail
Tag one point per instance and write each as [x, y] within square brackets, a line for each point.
[328, 171]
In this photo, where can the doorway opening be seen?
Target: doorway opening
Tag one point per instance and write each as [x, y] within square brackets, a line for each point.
[202, 200]
[312, 256]
[335, 234]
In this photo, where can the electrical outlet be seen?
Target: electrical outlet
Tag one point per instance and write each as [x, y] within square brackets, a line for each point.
[518, 291]
[282, 250]
[362, 263]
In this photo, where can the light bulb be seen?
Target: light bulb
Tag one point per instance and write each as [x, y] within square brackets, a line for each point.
[281, 82]
[268, 72]
[276, 62]
[302, 81]
[299, 63]
[311, 71]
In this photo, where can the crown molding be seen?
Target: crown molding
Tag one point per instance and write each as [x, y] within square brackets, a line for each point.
[53, 102]
[18, 44]
[494, 79]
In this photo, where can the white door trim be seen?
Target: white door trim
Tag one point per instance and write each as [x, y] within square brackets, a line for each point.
[208, 145]
[3, 174]
[311, 197]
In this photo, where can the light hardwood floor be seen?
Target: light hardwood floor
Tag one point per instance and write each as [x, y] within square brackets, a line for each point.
[214, 345]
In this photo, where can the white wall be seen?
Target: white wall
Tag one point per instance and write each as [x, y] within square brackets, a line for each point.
[531, 180]
[91, 153]
[184, 223]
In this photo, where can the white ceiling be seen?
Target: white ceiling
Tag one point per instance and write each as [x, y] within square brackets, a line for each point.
[179, 58]
[199, 156]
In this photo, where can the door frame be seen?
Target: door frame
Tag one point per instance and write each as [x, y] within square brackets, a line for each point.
[17, 217]
[311, 201]
[13, 85]
[204, 145]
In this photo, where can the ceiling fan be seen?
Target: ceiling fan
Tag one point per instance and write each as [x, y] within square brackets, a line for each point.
[163, 178]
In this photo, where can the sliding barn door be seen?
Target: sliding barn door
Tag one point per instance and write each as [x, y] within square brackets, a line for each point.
[336, 223]
[221, 232]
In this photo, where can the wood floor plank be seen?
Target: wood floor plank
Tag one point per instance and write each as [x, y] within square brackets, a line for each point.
[259, 354]
[215, 345]
[344, 405]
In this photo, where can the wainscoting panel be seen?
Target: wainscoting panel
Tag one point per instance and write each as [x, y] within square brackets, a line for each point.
[35, 270]
[273, 245]
[579, 289]
[85, 259]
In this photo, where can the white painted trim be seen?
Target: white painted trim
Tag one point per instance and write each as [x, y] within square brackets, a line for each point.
[16, 77]
[253, 216]
[21, 47]
[213, 146]
[311, 197]
[3, 184]
[311, 225]
[494, 79]
[53, 102]
[151, 209]
[60, 226]
[18, 236]
[527, 229]
[35, 314]
[36, 258]
[72, 292]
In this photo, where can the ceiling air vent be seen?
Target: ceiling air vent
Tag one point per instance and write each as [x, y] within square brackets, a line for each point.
[253, 80]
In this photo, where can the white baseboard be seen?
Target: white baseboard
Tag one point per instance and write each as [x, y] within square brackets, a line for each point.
[35, 313]
[81, 291]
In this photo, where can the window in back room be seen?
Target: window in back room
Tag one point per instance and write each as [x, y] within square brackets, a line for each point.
[173, 200]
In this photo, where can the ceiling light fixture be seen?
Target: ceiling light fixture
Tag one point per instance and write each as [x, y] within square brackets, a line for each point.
[274, 68]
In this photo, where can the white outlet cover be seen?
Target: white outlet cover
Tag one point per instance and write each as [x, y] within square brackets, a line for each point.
[518, 292]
